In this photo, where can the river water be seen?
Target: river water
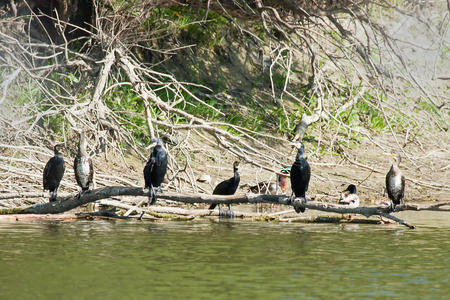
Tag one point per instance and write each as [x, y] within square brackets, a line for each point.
[224, 259]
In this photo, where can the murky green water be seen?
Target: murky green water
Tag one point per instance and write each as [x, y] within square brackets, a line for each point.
[209, 259]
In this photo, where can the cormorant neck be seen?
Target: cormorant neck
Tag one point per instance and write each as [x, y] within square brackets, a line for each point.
[82, 146]
[395, 169]
[236, 174]
[55, 151]
[300, 154]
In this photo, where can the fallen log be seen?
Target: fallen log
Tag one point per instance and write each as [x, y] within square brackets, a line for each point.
[70, 202]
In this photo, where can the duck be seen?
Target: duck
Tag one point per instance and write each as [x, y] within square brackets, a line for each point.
[349, 198]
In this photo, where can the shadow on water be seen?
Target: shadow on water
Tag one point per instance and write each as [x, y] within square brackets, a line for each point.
[221, 259]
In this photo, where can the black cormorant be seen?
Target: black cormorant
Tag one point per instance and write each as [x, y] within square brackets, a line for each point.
[155, 168]
[84, 171]
[395, 182]
[53, 173]
[300, 175]
[227, 187]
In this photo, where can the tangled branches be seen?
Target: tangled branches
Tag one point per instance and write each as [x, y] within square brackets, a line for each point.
[331, 65]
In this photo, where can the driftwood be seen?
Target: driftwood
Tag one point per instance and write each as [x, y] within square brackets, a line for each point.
[70, 202]
[169, 212]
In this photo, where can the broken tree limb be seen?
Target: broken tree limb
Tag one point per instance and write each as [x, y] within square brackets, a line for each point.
[67, 203]
[170, 212]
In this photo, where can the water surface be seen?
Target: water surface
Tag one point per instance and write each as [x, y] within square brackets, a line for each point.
[226, 259]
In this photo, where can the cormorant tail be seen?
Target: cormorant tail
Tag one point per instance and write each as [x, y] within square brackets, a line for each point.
[53, 196]
[212, 206]
[392, 208]
[152, 197]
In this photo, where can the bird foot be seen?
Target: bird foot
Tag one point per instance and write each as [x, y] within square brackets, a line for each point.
[299, 205]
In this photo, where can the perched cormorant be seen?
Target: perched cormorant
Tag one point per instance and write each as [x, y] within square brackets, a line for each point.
[349, 197]
[53, 173]
[227, 187]
[395, 182]
[155, 168]
[82, 165]
[272, 188]
[300, 175]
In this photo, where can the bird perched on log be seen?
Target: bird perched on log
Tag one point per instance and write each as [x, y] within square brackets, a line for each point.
[82, 165]
[155, 169]
[395, 182]
[300, 176]
[349, 198]
[227, 187]
[272, 188]
[53, 173]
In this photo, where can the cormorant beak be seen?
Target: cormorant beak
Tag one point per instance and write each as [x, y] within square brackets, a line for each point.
[294, 147]
[152, 145]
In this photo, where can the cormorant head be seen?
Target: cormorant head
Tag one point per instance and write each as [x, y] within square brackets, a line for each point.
[235, 166]
[57, 147]
[154, 142]
[396, 157]
[351, 189]
[299, 145]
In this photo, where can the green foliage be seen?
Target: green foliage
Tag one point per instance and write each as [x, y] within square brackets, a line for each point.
[130, 108]
[370, 115]
[365, 112]
[191, 25]
[426, 105]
